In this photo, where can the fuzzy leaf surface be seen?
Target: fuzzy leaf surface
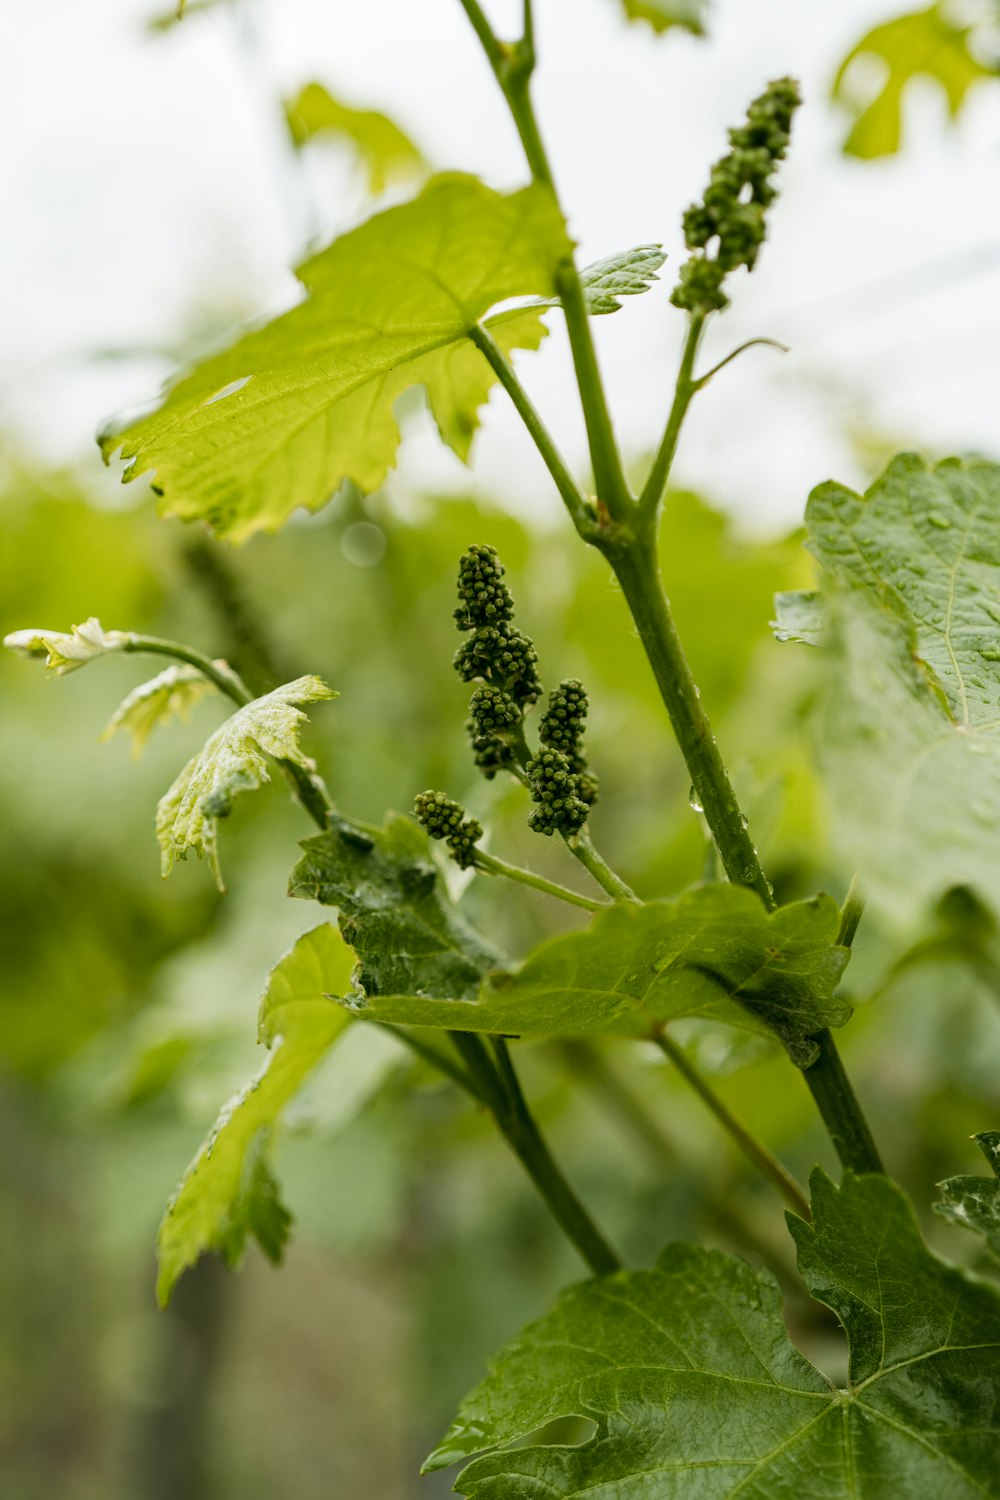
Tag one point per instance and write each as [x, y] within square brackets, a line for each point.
[232, 760]
[714, 951]
[385, 151]
[627, 274]
[927, 43]
[910, 732]
[296, 407]
[698, 1394]
[66, 651]
[393, 911]
[228, 1191]
[974, 1202]
[171, 694]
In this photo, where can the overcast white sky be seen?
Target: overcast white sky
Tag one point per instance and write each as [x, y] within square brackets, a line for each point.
[145, 179]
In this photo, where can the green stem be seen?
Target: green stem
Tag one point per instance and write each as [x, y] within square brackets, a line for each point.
[572, 495]
[438, 1060]
[655, 486]
[752, 1149]
[581, 846]
[307, 785]
[501, 1092]
[490, 865]
[842, 1114]
[851, 913]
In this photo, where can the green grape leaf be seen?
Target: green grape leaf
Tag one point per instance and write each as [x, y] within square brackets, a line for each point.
[386, 152]
[66, 653]
[296, 407]
[798, 616]
[171, 694]
[974, 1202]
[393, 911]
[926, 43]
[662, 15]
[697, 1393]
[627, 274]
[228, 1192]
[231, 761]
[715, 951]
[909, 734]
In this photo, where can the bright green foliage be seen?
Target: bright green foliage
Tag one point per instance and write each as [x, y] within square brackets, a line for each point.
[66, 653]
[231, 761]
[974, 1202]
[293, 409]
[713, 951]
[690, 15]
[393, 910]
[698, 1394]
[386, 152]
[228, 1191]
[909, 734]
[925, 43]
[627, 274]
[727, 228]
[798, 616]
[171, 694]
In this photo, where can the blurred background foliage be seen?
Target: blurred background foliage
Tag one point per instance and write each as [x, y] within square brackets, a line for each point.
[127, 1012]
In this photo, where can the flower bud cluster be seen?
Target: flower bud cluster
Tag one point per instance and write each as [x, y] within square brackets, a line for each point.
[731, 217]
[555, 789]
[497, 655]
[561, 728]
[445, 819]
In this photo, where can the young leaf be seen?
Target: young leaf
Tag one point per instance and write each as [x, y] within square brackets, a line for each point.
[798, 617]
[386, 152]
[627, 274]
[171, 694]
[909, 733]
[696, 1391]
[926, 43]
[231, 761]
[228, 1191]
[293, 409]
[974, 1202]
[65, 653]
[689, 15]
[714, 951]
[393, 911]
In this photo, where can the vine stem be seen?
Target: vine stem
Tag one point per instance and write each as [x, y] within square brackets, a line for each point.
[307, 785]
[684, 392]
[491, 865]
[755, 1151]
[581, 845]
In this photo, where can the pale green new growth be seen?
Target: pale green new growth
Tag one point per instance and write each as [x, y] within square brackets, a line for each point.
[171, 694]
[909, 736]
[689, 15]
[698, 1394]
[293, 409]
[386, 152]
[233, 760]
[931, 43]
[627, 274]
[714, 951]
[66, 652]
[228, 1191]
[974, 1202]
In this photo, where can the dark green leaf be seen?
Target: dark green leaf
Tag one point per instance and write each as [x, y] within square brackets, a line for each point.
[974, 1202]
[714, 951]
[697, 1393]
[227, 1191]
[293, 409]
[926, 43]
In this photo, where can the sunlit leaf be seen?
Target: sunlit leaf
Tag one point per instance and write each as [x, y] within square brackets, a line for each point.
[385, 151]
[714, 951]
[697, 1393]
[170, 695]
[228, 1191]
[974, 1202]
[662, 15]
[293, 409]
[232, 760]
[64, 652]
[926, 43]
